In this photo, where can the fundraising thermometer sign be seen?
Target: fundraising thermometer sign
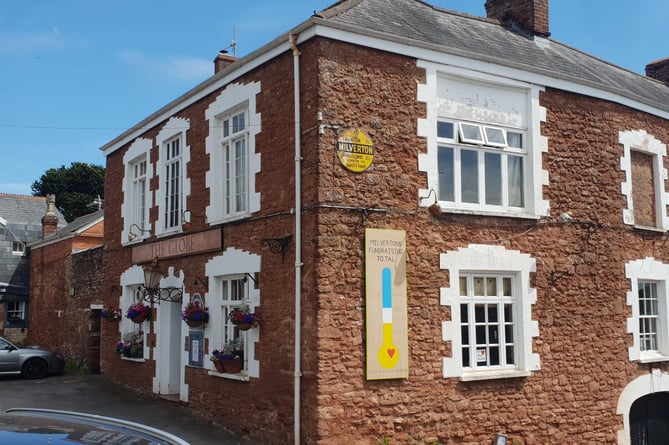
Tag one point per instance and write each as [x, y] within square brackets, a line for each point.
[386, 304]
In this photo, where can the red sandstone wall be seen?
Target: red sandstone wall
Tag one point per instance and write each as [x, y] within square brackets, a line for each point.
[63, 287]
[580, 279]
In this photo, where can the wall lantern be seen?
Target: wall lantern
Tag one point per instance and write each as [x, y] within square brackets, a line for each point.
[153, 293]
[132, 235]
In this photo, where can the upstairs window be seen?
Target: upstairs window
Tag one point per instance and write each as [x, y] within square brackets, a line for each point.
[139, 192]
[234, 162]
[18, 248]
[481, 167]
[235, 165]
[136, 195]
[173, 182]
[484, 144]
[645, 175]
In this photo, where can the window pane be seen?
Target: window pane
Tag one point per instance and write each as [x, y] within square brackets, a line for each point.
[516, 190]
[464, 332]
[471, 133]
[446, 174]
[514, 139]
[506, 286]
[494, 356]
[463, 286]
[445, 130]
[480, 335]
[510, 355]
[491, 286]
[464, 313]
[493, 179]
[494, 136]
[492, 313]
[466, 362]
[478, 286]
[469, 176]
[479, 313]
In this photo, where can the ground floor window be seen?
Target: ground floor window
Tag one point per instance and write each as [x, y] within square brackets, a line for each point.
[16, 314]
[491, 327]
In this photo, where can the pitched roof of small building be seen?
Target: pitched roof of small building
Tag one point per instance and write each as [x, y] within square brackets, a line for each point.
[76, 227]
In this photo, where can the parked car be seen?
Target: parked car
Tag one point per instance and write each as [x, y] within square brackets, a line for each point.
[32, 426]
[32, 362]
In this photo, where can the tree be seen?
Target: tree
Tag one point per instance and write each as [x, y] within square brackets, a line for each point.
[78, 188]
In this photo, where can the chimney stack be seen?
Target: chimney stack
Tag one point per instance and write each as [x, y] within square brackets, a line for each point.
[659, 70]
[223, 60]
[49, 220]
[529, 15]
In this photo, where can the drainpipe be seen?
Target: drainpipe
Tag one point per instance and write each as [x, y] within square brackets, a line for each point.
[298, 240]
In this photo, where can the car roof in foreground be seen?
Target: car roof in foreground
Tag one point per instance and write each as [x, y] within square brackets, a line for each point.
[27, 426]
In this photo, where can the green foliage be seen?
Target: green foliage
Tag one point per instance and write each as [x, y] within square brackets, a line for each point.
[76, 187]
[74, 367]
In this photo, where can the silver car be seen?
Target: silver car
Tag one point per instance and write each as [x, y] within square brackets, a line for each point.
[32, 362]
[33, 426]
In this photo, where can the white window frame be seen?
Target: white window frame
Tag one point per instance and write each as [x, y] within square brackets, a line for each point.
[233, 264]
[482, 148]
[175, 129]
[642, 141]
[18, 248]
[235, 99]
[648, 270]
[490, 260]
[535, 177]
[488, 330]
[132, 210]
[21, 309]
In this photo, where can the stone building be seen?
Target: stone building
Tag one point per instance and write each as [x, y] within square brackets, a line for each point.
[66, 290]
[453, 229]
[22, 221]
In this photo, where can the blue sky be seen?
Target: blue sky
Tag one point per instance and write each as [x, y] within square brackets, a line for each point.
[76, 73]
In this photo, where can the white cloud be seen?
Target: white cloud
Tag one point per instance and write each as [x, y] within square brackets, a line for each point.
[174, 67]
[30, 43]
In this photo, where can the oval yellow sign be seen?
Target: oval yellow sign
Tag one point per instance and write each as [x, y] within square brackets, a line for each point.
[355, 150]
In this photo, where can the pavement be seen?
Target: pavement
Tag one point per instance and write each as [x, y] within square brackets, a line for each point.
[95, 394]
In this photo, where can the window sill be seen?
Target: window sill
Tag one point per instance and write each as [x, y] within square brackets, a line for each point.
[649, 228]
[242, 376]
[493, 213]
[493, 375]
[133, 359]
[653, 358]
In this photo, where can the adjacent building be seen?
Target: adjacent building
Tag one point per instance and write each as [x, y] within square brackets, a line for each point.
[21, 223]
[66, 290]
[452, 229]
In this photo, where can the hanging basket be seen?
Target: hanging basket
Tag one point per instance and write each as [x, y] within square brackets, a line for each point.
[139, 319]
[194, 323]
[244, 326]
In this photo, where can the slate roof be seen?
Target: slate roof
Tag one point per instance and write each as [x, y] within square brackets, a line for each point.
[22, 209]
[423, 25]
[418, 24]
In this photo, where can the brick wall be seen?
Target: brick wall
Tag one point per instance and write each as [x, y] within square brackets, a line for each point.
[659, 70]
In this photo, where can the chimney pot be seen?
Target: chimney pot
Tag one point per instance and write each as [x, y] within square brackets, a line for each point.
[529, 15]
